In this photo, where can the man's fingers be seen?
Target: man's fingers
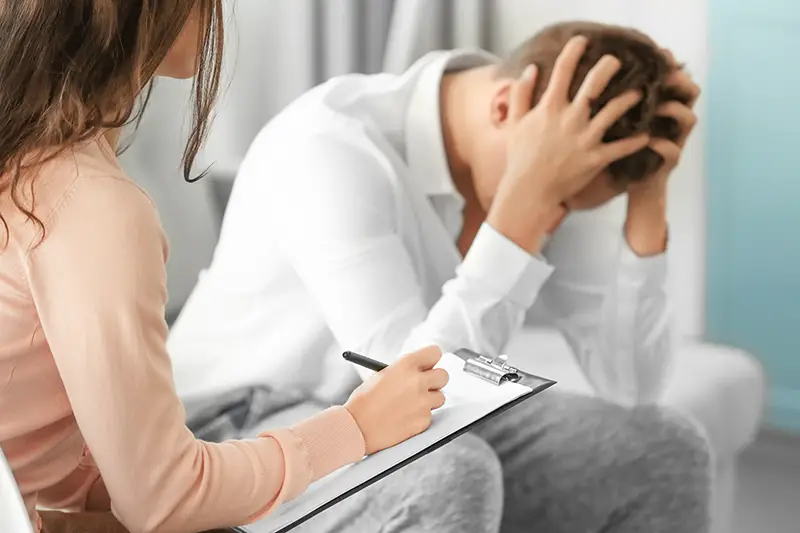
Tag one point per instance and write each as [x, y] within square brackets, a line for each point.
[616, 150]
[437, 378]
[564, 70]
[612, 112]
[683, 114]
[682, 82]
[667, 149]
[424, 359]
[598, 79]
[521, 94]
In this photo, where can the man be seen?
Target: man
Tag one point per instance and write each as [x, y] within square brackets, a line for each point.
[382, 213]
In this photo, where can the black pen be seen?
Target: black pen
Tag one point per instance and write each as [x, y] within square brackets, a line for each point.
[366, 362]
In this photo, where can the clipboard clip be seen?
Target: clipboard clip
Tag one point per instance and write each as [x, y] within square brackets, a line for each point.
[494, 370]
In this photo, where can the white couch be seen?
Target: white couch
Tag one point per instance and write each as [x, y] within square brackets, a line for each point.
[720, 389]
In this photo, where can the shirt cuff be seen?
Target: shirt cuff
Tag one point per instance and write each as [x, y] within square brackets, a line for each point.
[505, 267]
[648, 270]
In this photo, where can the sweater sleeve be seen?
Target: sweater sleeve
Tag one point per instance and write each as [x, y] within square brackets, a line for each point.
[98, 281]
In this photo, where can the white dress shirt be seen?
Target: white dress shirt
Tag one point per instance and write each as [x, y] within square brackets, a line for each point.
[340, 233]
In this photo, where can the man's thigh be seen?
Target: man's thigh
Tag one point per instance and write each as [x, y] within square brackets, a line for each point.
[575, 463]
[455, 489]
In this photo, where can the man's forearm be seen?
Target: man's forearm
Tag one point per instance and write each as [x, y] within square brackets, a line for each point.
[646, 224]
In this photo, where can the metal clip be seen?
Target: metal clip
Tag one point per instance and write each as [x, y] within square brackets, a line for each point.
[492, 370]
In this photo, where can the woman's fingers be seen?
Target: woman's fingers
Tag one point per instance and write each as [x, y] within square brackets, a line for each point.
[436, 379]
[437, 399]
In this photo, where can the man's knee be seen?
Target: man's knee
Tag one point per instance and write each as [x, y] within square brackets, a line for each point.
[459, 486]
[634, 445]
[467, 461]
[673, 445]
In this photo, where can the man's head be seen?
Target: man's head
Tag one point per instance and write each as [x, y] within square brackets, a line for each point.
[645, 67]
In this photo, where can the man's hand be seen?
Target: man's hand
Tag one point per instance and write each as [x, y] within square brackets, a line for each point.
[646, 224]
[557, 147]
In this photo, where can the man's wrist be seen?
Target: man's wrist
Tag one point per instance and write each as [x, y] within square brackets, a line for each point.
[646, 225]
[504, 268]
[524, 226]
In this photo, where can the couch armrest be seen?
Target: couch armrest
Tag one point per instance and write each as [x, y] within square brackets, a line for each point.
[721, 389]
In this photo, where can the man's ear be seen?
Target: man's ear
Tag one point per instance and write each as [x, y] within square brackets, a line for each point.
[500, 103]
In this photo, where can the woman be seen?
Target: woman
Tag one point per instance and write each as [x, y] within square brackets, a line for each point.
[89, 419]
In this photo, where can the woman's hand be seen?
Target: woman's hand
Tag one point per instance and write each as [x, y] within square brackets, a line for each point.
[557, 148]
[396, 403]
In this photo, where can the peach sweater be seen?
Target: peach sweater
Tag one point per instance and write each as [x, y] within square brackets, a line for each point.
[88, 410]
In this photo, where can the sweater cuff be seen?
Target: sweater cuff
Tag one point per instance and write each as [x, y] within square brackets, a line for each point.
[316, 447]
[331, 440]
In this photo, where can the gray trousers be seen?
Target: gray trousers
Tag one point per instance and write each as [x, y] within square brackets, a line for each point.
[557, 463]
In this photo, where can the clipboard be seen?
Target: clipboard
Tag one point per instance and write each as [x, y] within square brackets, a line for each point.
[486, 373]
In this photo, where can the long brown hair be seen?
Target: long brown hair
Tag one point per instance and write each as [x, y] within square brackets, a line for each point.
[70, 69]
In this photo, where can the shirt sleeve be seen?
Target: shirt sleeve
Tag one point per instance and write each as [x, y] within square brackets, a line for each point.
[99, 285]
[350, 246]
[612, 308]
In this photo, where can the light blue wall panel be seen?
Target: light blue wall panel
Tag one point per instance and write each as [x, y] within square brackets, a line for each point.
[753, 99]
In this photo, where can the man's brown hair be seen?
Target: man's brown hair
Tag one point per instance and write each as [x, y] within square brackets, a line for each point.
[70, 69]
[645, 68]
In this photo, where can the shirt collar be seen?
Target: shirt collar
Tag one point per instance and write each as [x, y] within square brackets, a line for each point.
[425, 152]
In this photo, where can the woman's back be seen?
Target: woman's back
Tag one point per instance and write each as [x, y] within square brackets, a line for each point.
[84, 347]
[41, 439]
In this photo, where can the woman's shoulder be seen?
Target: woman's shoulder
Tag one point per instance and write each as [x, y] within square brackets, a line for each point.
[84, 187]
[92, 170]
